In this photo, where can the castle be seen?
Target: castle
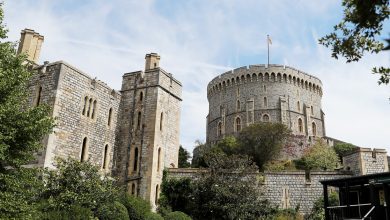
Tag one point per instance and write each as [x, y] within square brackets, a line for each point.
[133, 133]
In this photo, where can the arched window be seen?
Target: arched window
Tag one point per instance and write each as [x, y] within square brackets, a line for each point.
[158, 159]
[265, 102]
[135, 165]
[312, 110]
[105, 157]
[39, 94]
[219, 129]
[84, 150]
[89, 106]
[157, 193]
[93, 109]
[298, 106]
[85, 104]
[238, 91]
[238, 124]
[139, 121]
[161, 121]
[109, 117]
[314, 129]
[265, 88]
[238, 105]
[133, 189]
[141, 96]
[300, 125]
[265, 118]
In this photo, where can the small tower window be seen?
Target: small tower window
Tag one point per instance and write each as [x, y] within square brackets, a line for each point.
[141, 96]
[39, 96]
[265, 102]
[89, 106]
[300, 125]
[85, 104]
[161, 120]
[105, 157]
[139, 121]
[158, 159]
[238, 105]
[238, 124]
[93, 109]
[298, 106]
[314, 129]
[238, 91]
[109, 117]
[312, 110]
[133, 189]
[156, 198]
[135, 165]
[84, 150]
[219, 129]
[265, 118]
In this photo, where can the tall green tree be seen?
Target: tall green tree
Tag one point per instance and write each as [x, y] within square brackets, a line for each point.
[263, 141]
[358, 32]
[184, 157]
[21, 127]
[319, 157]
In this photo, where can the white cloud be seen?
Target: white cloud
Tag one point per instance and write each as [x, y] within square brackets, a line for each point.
[198, 40]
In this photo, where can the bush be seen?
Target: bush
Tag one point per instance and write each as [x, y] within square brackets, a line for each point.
[137, 208]
[177, 216]
[114, 210]
[72, 213]
[153, 216]
[288, 214]
[317, 212]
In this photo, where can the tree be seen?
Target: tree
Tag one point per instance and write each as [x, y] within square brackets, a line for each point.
[197, 154]
[358, 31]
[342, 149]
[21, 127]
[184, 156]
[320, 156]
[263, 141]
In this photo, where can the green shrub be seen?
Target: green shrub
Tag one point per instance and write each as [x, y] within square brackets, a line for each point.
[288, 214]
[137, 208]
[153, 216]
[114, 210]
[177, 216]
[73, 213]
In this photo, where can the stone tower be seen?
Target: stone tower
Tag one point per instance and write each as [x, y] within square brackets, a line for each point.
[148, 128]
[30, 43]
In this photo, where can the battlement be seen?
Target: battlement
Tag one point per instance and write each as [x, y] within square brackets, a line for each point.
[265, 73]
[365, 161]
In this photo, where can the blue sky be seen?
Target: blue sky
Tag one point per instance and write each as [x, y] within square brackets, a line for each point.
[199, 39]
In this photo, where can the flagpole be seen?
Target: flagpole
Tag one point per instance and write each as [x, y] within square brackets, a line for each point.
[268, 48]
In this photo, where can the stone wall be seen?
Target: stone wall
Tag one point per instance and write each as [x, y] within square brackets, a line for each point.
[366, 161]
[283, 94]
[71, 93]
[288, 189]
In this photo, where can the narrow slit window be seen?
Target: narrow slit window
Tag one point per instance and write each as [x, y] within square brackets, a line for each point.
[141, 96]
[93, 109]
[238, 105]
[133, 189]
[158, 159]
[161, 120]
[314, 129]
[39, 96]
[105, 157]
[135, 165]
[219, 129]
[109, 117]
[139, 121]
[156, 198]
[312, 110]
[298, 106]
[300, 125]
[89, 107]
[265, 102]
[85, 104]
[84, 150]
[238, 124]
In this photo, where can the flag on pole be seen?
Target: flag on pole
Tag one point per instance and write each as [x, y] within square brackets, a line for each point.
[269, 39]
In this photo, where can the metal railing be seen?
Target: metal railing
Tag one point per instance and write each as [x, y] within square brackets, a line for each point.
[339, 212]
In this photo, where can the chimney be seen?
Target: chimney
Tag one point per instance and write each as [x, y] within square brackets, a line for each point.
[152, 61]
[30, 44]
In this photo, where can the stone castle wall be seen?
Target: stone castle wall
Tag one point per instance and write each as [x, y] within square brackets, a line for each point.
[366, 161]
[288, 189]
[71, 93]
[290, 95]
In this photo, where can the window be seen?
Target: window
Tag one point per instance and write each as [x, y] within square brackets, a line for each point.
[158, 159]
[84, 150]
[219, 129]
[265, 102]
[89, 106]
[156, 198]
[314, 129]
[265, 118]
[238, 105]
[39, 94]
[238, 91]
[85, 104]
[135, 165]
[105, 157]
[300, 125]
[93, 109]
[312, 110]
[265, 88]
[161, 121]
[298, 106]
[141, 96]
[109, 117]
[133, 189]
[139, 121]
[238, 124]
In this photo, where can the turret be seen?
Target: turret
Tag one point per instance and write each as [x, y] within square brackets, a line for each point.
[152, 61]
[30, 43]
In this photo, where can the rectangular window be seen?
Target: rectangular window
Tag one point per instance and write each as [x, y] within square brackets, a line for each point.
[250, 106]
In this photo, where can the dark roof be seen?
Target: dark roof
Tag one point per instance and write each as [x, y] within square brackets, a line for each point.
[359, 180]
